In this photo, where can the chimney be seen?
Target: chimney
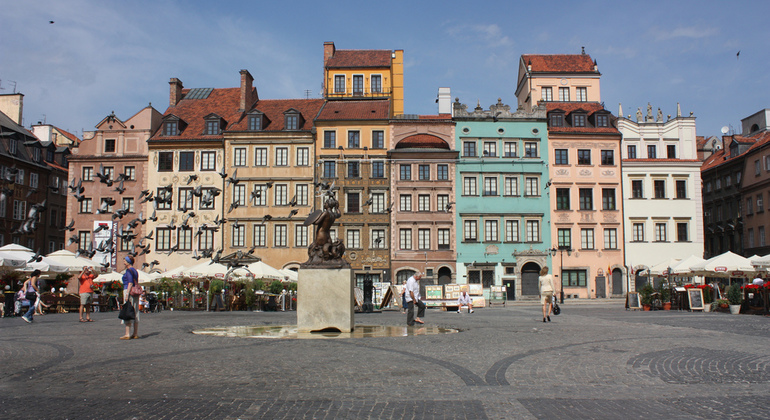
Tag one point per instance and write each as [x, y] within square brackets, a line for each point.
[176, 91]
[329, 51]
[247, 98]
[444, 101]
[13, 106]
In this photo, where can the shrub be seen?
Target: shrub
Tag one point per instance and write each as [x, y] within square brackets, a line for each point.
[276, 286]
[216, 286]
[734, 295]
[646, 294]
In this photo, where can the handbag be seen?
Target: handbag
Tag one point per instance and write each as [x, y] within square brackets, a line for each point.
[556, 309]
[127, 312]
[136, 290]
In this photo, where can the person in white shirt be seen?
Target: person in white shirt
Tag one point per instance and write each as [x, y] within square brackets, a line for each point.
[412, 299]
[546, 293]
[464, 300]
[758, 281]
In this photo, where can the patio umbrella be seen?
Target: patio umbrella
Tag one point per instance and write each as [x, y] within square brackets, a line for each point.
[763, 262]
[290, 274]
[683, 267]
[661, 268]
[18, 252]
[260, 270]
[68, 259]
[206, 269]
[177, 272]
[725, 265]
[144, 278]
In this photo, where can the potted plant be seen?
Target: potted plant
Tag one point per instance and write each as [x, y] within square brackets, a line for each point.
[735, 298]
[645, 293]
[665, 297]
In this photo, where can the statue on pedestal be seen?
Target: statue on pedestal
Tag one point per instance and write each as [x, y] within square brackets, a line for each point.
[325, 252]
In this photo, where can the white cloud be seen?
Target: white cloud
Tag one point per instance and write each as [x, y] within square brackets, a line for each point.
[692, 32]
[489, 35]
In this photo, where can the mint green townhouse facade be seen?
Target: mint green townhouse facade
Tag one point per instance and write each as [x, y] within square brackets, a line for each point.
[501, 197]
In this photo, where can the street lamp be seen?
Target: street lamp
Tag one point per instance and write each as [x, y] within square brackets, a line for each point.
[561, 250]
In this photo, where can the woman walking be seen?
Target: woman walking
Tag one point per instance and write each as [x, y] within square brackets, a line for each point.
[130, 278]
[31, 290]
[546, 293]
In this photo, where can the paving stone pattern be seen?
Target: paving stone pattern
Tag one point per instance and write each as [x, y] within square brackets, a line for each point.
[594, 361]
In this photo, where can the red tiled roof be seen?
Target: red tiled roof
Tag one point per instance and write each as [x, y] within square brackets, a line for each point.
[57, 166]
[661, 160]
[222, 102]
[610, 130]
[714, 160]
[560, 63]
[359, 58]
[355, 110]
[69, 135]
[447, 117]
[568, 107]
[422, 141]
[273, 110]
[761, 139]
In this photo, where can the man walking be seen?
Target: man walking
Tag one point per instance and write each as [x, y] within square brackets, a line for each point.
[412, 299]
[86, 280]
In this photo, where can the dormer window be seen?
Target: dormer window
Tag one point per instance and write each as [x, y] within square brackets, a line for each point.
[171, 128]
[557, 120]
[255, 122]
[36, 154]
[212, 127]
[50, 155]
[602, 120]
[12, 146]
[292, 120]
[579, 120]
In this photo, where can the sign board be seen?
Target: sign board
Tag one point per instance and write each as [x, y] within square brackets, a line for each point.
[104, 230]
[633, 301]
[738, 273]
[475, 289]
[720, 269]
[695, 296]
[434, 292]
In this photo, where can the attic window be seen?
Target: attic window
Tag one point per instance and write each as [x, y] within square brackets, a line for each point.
[292, 120]
[12, 146]
[602, 120]
[171, 128]
[255, 122]
[579, 120]
[557, 120]
[212, 127]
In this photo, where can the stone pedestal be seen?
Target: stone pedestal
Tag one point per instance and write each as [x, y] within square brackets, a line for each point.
[325, 300]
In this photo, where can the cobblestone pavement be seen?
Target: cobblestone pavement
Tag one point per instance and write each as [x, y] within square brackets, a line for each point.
[593, 361]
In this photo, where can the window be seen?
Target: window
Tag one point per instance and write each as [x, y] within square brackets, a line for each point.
[636, 189]
[186, 161]
[574, 278]
[12, 147]
[533, 231]
[291, 122]
[239, 194]
[255, 122]
[378, 203]
[511, 186]
[443, 239]
[564, 94]
[533, 187]
[330, 169]
[184, 238]
[212, 127]
[163, 239]
[512, 231]
[681, 188]
[579, 120]
[260, 236]
[469, 185]
[208, 161]
[300, 191]
[557, 120]
[490, 149]
[303, 156]
[377, 238]
[405, 239]
[85, 240]
[761, 234]
[660, 232]
[358, 84]
[671, 151]
[281, 156]
[19, 210]
[423, 202]
[442, 172]
[330, 139]
[469, 148]
[354, 139]
[660, 188]
[546, 94]
[681, 232]
[490, 231]
[406, 172]
[631, 148]
[339, 83]
[751, 238]
[423, 172]
[281, 194]
[581, 94]
[239, 156]
[560, 157]
[171, 128]
[354, 169]
[470, 228]
[186, 197]
[727, 181]
[353, 202]
[608, 157]
[130, 173]
[281, 236]
[88, 173]
[586, 238]
[602, 120]
[586, 199]
[490, 185]
[423, 238]
[376, 83]
[378, 169]
[442, 203]
[353, 238]
[562, 199]
[34, 180]
[52, 218]
[109, 146]
[405, 202]
[128, 204]
[165, 161]
[86, 205]
[207, 204]
[611, 238]
[163, 203]
[584, 157]
[104, 201]
[109, 172]
[239, 236]
[530, 150]
[510, 149]
[564, 237]
[651, 152]
[638, 232]
[378, 139]
[206, 239]
[608, 199]
[760, 204]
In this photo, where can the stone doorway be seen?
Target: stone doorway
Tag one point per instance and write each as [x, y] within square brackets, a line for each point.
[530, 285]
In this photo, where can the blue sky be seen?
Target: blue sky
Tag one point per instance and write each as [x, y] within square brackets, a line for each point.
[101, 56]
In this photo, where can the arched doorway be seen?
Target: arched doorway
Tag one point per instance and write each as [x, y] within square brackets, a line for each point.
[617, 281]
[530, 273]
[639, 280]
[444, 275]
[403, 275]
